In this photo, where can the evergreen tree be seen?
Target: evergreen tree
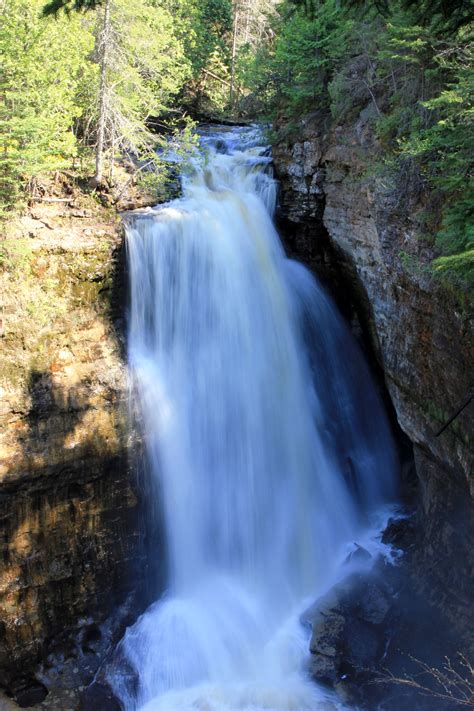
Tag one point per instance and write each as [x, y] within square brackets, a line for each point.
[418, 76]
[142, 67]
[82, 80]
[44, 62]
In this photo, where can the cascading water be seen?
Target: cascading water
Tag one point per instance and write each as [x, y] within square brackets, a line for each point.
[264, 432]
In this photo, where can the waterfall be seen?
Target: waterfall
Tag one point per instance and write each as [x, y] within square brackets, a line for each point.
[269, 445]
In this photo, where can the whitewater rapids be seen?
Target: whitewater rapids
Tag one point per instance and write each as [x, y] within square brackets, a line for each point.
[266, 439]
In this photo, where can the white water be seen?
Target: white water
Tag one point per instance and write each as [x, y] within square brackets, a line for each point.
[265, 435]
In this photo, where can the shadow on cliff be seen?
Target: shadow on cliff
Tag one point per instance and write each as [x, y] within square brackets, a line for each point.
[421, 625]
[76, 537]
[309, 243]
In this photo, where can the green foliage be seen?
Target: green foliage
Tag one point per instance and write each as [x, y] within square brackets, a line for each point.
[146, 68]
[43, 62]
[429, 119]
[299, 65]
[409, 68]
[204, 27]
[54, 7]
[307, 52]
[253, 72]
[443, 16]
[51, 81]
[160, 174]
[15, 254]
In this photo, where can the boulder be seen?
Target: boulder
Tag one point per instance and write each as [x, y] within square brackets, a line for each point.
[350, 628]
[99, 696]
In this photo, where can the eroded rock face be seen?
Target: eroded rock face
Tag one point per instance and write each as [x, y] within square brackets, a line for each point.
[369, 631]
[69, 497]
[355, 229]
[348, 630]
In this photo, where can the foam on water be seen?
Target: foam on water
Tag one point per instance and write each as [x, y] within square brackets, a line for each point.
[268, 442]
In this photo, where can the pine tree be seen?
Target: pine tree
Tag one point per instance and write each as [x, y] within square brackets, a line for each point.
[43, 61]
[142, 66]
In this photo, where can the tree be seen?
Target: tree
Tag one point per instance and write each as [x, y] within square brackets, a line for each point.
[205, 27]
[413, 61]
[445, 15]
[75, 81]
[251, 30]
[103, 46]
[188, 46]
[43, 61]
[142, 67]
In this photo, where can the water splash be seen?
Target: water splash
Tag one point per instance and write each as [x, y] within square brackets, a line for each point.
[264, 432]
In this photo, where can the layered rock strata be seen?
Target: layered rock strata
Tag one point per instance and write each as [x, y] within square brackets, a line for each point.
[365, 236]
[72, 547]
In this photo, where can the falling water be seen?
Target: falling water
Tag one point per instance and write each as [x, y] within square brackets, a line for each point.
[264, 433]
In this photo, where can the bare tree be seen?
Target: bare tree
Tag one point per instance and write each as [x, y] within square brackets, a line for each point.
[104, 39]
[234, 53]
[251, 26]
[452, 683]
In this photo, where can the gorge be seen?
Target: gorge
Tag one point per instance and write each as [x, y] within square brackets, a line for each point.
[236, 347]
[339, 442]
[270, 451]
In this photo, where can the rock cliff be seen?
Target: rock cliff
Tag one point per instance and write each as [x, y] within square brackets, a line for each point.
[362, 232]
[72, 547]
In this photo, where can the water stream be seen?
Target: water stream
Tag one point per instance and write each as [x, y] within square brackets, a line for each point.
[269, 445]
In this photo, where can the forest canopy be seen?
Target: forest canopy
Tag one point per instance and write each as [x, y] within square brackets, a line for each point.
[78, 75]
[412, 64]
[87, 81]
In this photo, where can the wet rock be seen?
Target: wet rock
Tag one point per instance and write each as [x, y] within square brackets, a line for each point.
[352, 234]
[326, 645]
[324, 669]
[327, 706]
[399, 532]
[32, 693]
[70, 506]
[359, 555]
[99, 696]
[350, 628]
[374, 604]
[362, 644]
[327, 634]
[7, 704]
[91, 639]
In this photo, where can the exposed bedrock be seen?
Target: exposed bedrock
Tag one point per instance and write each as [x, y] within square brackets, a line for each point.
[70, 505]
[373, 631]
[363, 237]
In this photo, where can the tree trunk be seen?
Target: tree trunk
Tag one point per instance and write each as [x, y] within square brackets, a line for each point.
[104, 38]
[234, 51]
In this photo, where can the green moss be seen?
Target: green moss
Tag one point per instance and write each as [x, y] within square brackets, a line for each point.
[15, 254]
[48, 295]
[455, 267]
[440, 416]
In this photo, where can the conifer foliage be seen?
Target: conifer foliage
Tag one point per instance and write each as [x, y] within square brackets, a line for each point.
[45, 68]
[83, 77]
[412, 63]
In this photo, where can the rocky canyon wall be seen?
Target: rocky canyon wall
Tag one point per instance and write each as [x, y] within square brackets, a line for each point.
[70, 509]
[363, 234]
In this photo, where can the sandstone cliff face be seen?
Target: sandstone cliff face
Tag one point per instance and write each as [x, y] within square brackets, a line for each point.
[69, 500]
[366, 234]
